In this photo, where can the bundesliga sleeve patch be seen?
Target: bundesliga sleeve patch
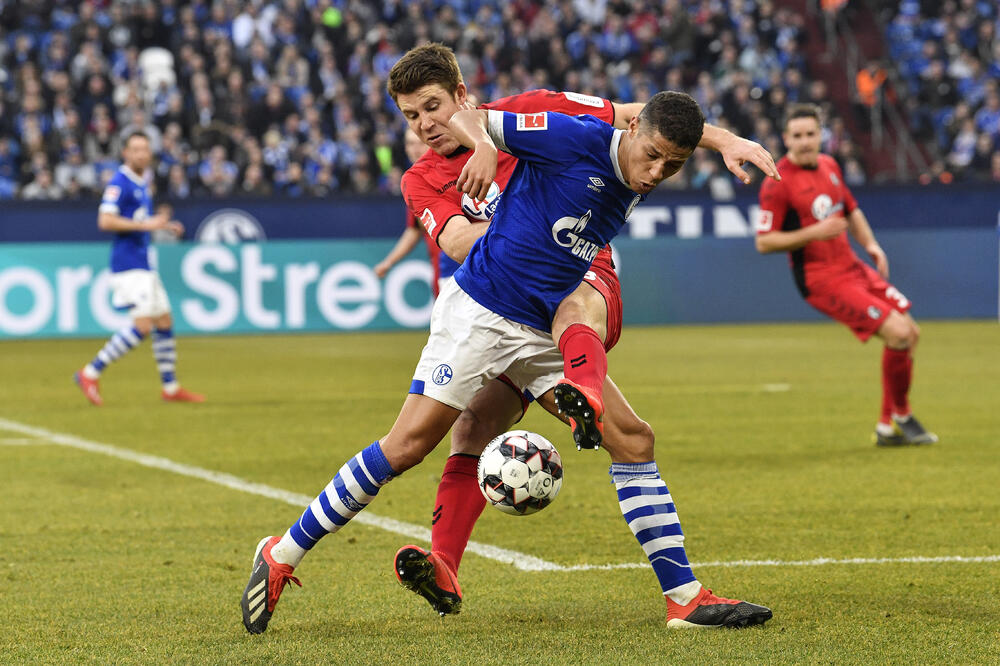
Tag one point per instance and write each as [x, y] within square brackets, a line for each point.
[427, 219]
[529, 122]
[765, 220]
[111, 193]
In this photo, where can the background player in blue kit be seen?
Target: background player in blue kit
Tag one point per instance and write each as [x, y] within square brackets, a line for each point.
[494, 318]
[125, 211]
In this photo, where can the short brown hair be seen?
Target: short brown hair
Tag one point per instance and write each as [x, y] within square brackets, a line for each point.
[802, 110]
[423, 66]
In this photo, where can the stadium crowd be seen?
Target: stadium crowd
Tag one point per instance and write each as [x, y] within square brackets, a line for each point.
[287, 97]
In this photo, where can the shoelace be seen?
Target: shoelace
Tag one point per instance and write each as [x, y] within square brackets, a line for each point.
[276, 584]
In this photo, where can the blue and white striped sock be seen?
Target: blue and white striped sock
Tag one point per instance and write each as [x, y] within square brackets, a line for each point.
[165, 353]
[649, 511]
[355, 485]
[117, 346]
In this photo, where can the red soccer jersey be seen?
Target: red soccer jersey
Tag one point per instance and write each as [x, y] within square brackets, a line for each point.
[803, 197]
[432, 248]
[429, 185]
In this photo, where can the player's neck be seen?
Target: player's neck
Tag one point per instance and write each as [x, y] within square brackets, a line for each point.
[803, 164]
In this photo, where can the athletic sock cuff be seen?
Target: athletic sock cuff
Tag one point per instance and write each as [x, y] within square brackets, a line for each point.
[624, 472]
[576, 329]
[377, 463]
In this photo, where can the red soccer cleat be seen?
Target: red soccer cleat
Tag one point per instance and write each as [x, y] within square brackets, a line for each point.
[707, 611]
[89, 388]
[431, 576]
[267, 580]
[182, 395]
[585, 410]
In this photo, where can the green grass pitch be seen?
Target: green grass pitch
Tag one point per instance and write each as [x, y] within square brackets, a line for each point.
[762, 436]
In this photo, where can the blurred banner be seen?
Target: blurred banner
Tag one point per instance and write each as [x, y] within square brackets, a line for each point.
[61, 289]
[683, 214]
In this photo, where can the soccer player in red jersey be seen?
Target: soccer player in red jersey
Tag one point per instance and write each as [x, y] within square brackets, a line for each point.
[428, 89]
[807, 214]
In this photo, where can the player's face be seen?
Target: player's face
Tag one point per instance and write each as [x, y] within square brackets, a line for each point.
[802, 139]
[428, 110]
[137, 154]
[650, 158]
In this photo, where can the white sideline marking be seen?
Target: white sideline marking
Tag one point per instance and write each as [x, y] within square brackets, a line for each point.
[519, 560]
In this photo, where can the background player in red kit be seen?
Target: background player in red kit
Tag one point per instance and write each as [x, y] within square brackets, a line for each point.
[807, 214]
[414, 231]
[428, 88]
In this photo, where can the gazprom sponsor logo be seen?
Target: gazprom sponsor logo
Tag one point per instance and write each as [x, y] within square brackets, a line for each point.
[230, 226]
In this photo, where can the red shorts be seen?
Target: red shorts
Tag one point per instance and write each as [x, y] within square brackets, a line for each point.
[858, 298]
[603, 278]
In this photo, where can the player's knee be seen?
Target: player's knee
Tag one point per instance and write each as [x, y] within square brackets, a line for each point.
[637, 443]
[144, 325]
[471, 433]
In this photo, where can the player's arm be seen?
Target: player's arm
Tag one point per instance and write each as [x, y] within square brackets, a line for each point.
[624, 113]
[737, 151]
[858, 226]
[469, 129]
[443, 221]
[459, 235]
[113, 222]
[406, 242]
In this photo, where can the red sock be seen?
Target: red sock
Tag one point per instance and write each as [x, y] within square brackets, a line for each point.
[458, 505]
[585, 361]
[897, 370]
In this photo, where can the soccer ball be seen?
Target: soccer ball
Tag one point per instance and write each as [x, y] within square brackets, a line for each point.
[520, 472]
[481, 210]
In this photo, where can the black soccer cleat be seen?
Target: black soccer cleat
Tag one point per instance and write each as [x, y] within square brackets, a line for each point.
[585, 412]
[913, 431]
[267, 579]
[707, 611]
[430, 576]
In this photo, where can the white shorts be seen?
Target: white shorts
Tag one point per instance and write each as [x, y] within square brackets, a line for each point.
[139, 291]
[469, 345]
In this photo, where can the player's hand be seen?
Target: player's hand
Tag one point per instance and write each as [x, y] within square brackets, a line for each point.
[479, 172]
[881, 261]
[739, 151]
[175, 227]
[157, 222]
[829, 228]
[382, 268]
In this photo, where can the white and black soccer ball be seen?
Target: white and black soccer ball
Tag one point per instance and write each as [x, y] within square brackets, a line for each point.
[520, 472]
[481, 209]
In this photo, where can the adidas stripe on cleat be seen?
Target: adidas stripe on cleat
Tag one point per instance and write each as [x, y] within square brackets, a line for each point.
[267, 580]
[585, 412]
[707, 611]
[430, 576]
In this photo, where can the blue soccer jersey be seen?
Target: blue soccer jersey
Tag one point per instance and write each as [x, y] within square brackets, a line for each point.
[566, 200]
[127, 195]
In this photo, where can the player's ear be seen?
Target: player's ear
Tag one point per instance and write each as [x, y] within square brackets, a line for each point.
[461, 93]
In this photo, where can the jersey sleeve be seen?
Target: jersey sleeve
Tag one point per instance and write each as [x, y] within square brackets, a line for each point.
[431, 209]
[850, 203]
[570, 103]
[111, 200]
[548, 140]
[773, 207]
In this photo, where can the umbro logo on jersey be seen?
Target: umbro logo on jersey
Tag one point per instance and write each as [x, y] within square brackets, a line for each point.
[595, 184]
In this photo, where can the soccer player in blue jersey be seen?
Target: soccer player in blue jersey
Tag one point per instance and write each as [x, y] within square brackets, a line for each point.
[576, 183]
[126, 211]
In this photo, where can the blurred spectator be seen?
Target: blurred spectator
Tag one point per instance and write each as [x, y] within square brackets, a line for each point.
[42, 187]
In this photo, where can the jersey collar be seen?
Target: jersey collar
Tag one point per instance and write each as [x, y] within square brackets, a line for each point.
[616, 139]
[133, 176]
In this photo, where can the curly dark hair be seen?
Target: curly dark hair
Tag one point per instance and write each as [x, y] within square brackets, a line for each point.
[676, 116]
